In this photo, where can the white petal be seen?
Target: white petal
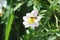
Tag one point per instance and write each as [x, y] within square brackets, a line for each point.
[5, 4]
[38, 18]
[26, 24]
[37, 24]
[34, 25]
[25, 18]
[34, 13]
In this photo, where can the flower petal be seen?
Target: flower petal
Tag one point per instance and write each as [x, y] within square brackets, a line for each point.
[38, 18]
[25, 18]
[5, 4]
[34, 13]
[36, 24]
[26, 24]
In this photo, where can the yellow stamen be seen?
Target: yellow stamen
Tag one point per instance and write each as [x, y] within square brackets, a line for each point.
[31, 20]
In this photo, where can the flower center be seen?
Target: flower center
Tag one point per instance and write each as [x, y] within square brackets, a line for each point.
[31, 20]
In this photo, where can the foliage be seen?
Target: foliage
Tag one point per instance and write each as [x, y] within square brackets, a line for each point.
[11, 23]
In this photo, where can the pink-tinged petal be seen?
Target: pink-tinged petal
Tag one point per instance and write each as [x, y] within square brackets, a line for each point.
[25, 18]
[26, 24]
[34, 13]
[38, 18]
[34, 25]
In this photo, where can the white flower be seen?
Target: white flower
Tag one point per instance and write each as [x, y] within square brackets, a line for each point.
[31, 19]
[3, 3]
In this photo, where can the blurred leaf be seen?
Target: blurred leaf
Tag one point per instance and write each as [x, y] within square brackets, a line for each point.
[18, 5]
[6, 15]
[52, 38]
[38, 38]
[53, 31]
[37, 6]
[58, 34]
[30, 3]
[53, 4]
[8, 26]
[59, 1]
[42, 11]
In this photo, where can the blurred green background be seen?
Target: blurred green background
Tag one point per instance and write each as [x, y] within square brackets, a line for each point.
[11, 23]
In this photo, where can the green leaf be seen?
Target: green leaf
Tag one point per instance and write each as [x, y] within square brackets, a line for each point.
[52, 31]
[37, 6]
[53, 4]
[42, 11]
[18, 5]
[58, 34]
[52, 38]
[38, 38]
[30, 3]
[8, 26]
